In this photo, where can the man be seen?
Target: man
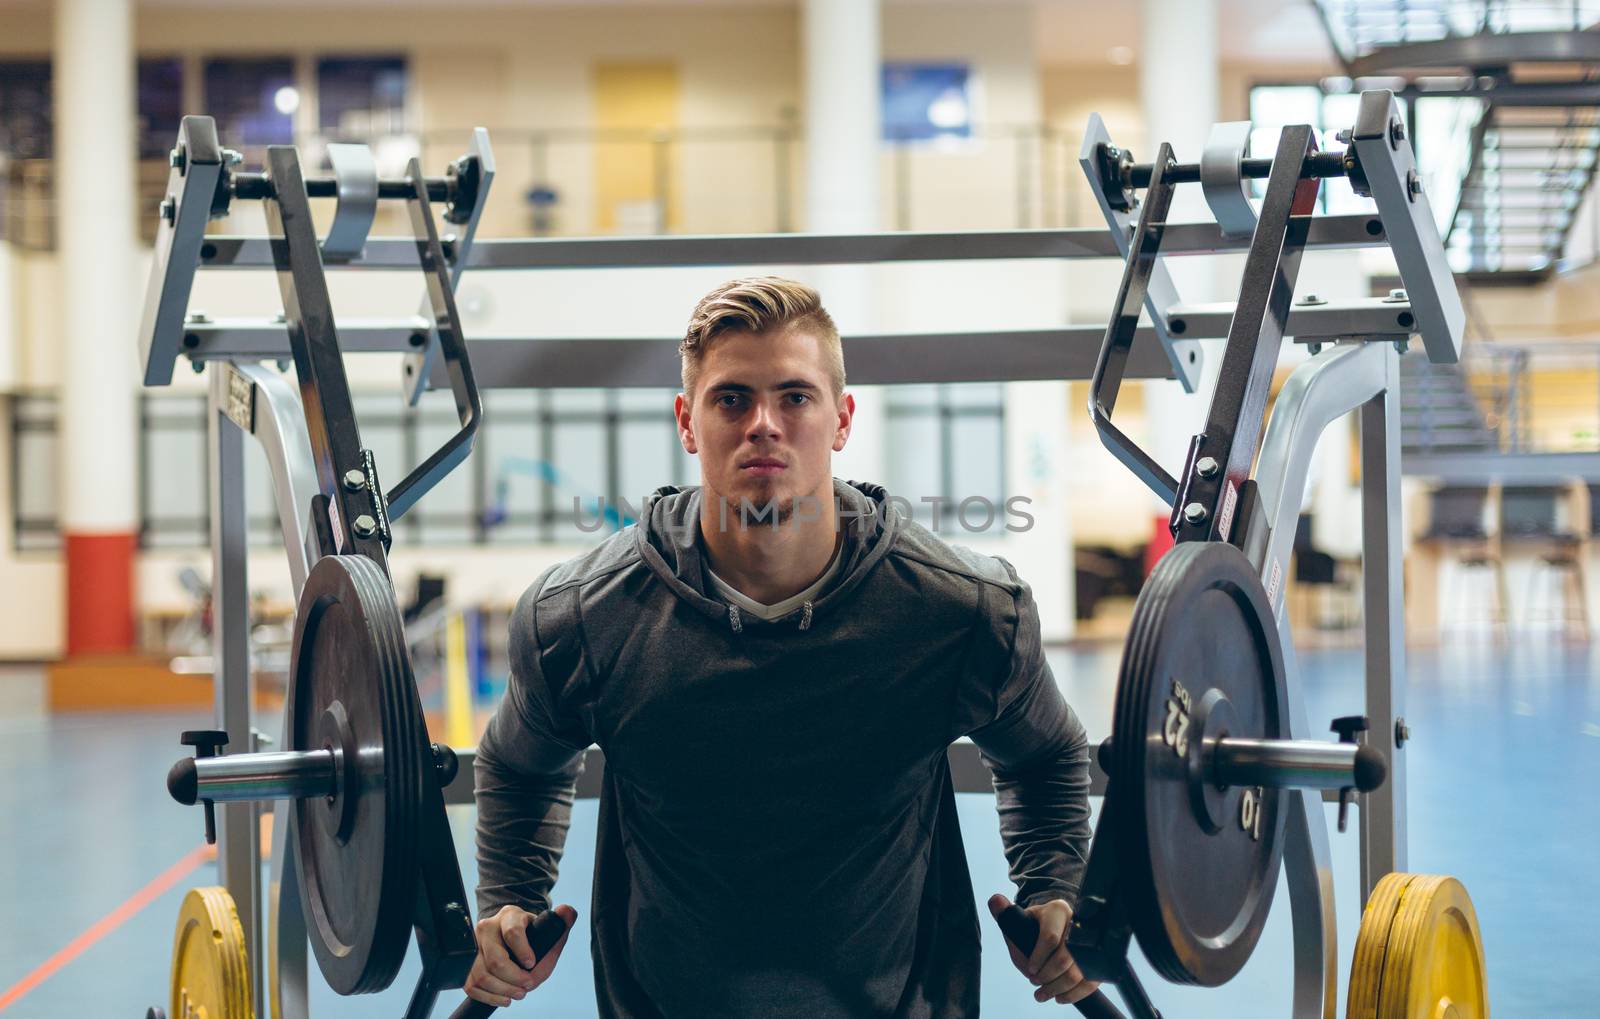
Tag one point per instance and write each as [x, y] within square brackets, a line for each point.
[774, 664]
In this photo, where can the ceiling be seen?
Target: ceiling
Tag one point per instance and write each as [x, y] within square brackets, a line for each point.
[1069, 31]
[1079, 31]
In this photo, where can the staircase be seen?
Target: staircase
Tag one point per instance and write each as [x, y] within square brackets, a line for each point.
[1533, 69]
[1530, 169]
[1439, 412]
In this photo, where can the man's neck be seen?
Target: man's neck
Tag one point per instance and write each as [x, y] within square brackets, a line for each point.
[768, 563]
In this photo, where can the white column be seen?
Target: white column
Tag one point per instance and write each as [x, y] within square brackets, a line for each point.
[842, 59]
[97, 265]
[1178, 70]
[842, 47]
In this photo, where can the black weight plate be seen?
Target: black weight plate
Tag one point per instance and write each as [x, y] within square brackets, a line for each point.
[1200, 863]
[351, 690]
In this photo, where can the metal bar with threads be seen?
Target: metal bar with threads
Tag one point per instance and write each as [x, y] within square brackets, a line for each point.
[1321, 164]
[289, 774]
[259, 185]
[1294, 764]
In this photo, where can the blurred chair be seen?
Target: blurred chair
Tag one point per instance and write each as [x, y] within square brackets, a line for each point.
[1102, 572]
[1540, 517]
[1458, 524]
[430, 589]
[1327, 593]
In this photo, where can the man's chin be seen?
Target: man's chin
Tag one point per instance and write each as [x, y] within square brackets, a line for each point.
[759, 500]
[782, 490]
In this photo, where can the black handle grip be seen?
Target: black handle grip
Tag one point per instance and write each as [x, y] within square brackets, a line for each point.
[543, 933]
[452, 345]
[1112, 362]
[183, 781]
[1022, 930]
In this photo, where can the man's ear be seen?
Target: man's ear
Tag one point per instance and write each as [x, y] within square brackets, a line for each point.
[847, 413]
[680, 411]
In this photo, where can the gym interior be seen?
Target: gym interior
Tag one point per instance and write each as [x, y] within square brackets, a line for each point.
[1261, 338]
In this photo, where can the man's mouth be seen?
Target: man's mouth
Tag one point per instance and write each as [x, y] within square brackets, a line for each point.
[762, 466]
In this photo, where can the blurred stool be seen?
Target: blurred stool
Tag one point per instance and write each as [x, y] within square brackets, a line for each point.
[1478, 598]
[1458, 520]
[1557, 576]
[1538, 517]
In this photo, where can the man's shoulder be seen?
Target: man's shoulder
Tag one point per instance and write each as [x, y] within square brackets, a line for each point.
[553, 595]
[958, 565]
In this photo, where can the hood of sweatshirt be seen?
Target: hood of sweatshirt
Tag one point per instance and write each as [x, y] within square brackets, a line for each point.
[668, 536]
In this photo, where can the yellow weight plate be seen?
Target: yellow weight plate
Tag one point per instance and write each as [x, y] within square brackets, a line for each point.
[1434, 968]
[210, 967]
[1372, 942]
[1419, 954]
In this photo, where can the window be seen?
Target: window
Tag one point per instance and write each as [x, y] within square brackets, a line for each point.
[566, 466]
[174, 503]
[160, 105]
[574, 465]
[34, 510]
[1444, 129]
[25, 135]
[25, 125]
[27, 122]
[1272, 107]
[254, 101]
[361, 98]
[924, 102]
[946, 456]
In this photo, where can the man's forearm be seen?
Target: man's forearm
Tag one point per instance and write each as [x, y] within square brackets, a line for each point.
[1044, 823]
[522, 829]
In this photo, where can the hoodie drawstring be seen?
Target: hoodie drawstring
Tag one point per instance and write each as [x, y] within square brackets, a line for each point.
[736, 621]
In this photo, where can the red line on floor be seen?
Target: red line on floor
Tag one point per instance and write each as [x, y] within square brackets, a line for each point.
[110, 922]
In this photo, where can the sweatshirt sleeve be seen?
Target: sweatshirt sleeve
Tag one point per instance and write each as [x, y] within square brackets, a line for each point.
[1037, 751]
[529, 759]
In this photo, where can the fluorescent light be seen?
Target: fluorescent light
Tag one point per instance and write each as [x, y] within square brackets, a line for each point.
[286, 99]
[949, 111]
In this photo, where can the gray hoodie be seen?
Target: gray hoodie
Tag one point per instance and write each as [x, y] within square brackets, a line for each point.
[778, 834]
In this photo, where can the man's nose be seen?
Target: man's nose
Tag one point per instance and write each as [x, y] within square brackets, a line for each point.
[764, 420]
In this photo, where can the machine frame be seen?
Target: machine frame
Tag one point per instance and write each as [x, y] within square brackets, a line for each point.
[1356, 369]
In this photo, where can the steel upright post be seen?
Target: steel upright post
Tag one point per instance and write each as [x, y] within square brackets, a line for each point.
[238, 832]
[1383, 817]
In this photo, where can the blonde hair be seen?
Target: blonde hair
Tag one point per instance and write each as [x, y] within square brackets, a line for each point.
[760, 304]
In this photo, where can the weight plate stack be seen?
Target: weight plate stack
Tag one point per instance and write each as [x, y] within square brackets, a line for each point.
[210, 965]
[1419, 953]
[352, 692]
[1202, 661]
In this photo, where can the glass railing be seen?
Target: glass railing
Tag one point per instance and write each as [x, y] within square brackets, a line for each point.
[711, 180]
[1513, 398]
[1539, 397]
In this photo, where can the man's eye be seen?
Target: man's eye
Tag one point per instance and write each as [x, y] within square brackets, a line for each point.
[727, 400]
[799, 398]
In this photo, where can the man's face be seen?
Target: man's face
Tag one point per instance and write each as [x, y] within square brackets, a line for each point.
[764, 420]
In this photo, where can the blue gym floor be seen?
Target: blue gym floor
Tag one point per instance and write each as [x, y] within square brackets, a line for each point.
[1504, 759]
